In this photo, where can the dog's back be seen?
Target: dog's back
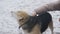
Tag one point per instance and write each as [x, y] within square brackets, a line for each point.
[43, 20]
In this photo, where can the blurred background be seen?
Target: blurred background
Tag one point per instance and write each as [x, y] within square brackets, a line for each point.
[9, 25]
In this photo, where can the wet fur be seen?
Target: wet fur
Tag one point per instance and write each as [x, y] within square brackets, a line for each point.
[42, 22]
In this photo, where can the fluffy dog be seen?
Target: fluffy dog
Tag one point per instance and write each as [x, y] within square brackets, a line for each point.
[34, 24]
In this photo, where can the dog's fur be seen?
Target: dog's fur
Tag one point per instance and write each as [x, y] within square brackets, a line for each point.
[34, 24]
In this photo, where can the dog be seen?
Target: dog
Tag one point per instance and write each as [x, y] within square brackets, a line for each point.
[34, 24]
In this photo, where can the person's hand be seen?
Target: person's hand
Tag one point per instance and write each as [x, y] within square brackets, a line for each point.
[34, 14]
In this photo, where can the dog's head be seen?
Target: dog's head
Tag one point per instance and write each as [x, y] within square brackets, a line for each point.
[21, 16]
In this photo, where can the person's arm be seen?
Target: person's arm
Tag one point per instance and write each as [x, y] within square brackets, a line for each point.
[48, 7]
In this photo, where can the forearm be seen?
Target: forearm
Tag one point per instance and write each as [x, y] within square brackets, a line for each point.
[49, 7]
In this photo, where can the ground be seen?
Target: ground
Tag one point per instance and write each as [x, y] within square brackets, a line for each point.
[9, 25]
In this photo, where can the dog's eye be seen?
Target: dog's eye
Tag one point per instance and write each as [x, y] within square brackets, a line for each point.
[20, 19]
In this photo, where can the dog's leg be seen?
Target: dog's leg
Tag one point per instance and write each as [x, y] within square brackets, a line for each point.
[51, 26]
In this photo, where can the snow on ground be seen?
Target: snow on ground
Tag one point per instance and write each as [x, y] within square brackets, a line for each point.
[9, 25]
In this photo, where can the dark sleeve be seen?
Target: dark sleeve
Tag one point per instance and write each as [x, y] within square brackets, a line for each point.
[49, 7]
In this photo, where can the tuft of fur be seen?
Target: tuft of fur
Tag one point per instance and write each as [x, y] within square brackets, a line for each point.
[22, 17]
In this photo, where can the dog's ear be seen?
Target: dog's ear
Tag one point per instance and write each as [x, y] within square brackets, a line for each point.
[13, 14]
